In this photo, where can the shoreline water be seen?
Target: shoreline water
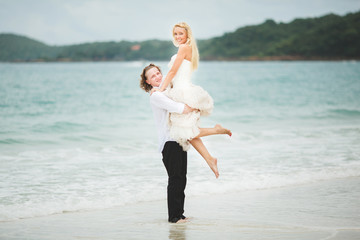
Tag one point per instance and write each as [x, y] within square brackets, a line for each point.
[81, 137]
[321, 210]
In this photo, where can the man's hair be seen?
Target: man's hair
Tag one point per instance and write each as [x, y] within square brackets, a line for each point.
[143, 84]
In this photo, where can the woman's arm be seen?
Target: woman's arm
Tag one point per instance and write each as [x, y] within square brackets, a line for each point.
[182, 53]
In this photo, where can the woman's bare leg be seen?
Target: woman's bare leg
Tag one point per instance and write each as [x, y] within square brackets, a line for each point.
[218, 129]
[211, 161]
[200, 147]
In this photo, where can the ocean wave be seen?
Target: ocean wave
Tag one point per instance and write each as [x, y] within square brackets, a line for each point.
[10, 141]
[345, 112]
[246, 180]
[42, 102]
[61, 126]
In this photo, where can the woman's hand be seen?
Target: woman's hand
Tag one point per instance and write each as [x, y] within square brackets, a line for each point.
[154, 90]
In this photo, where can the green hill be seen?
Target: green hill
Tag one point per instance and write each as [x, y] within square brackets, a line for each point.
[118, 51]
[330, 36]
[15, 48]
[20, 48]
[327, 37]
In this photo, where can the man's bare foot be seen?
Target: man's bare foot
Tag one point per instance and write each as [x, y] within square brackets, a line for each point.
[182, 221]
[221, 130]
[213, 165]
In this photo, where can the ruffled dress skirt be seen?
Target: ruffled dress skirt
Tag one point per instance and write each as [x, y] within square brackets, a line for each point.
[184, 127]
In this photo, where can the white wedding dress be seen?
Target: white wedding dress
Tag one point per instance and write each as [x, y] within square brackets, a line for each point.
[184, 127]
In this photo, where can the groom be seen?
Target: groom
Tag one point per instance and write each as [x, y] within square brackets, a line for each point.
[174, 158]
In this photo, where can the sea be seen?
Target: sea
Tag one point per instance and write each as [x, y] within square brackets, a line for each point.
[81, 136]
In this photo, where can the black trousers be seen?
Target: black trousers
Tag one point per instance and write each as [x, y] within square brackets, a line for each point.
[175, 161]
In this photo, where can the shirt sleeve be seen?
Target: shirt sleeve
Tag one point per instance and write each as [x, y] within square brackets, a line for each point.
[159, 100]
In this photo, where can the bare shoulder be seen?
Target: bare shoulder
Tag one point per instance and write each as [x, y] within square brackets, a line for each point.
[185, 50]
[184, 47]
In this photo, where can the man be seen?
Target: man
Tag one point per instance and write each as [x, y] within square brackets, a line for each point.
[174, 158]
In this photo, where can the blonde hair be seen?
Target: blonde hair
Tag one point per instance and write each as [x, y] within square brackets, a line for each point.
[190, 41]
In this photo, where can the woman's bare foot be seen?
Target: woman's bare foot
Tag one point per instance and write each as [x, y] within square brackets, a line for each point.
[213, 165]
[221, 130]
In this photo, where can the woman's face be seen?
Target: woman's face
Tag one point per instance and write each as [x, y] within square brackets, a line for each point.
[180, 35]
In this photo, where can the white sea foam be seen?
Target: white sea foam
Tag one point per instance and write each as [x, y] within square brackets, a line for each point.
[40, 183]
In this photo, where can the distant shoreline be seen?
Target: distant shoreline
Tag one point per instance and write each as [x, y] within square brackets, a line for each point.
[238, 59]
[284, 58]
[327, 38]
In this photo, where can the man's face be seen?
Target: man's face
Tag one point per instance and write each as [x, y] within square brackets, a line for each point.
[153, 77]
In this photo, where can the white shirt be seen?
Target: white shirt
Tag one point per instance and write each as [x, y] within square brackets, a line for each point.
[161, 105]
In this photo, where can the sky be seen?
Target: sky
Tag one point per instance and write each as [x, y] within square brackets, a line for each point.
[64, 22]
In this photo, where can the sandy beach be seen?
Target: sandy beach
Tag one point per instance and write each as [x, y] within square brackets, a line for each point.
[322, 210]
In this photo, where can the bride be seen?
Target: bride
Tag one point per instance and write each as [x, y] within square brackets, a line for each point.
[184, 127]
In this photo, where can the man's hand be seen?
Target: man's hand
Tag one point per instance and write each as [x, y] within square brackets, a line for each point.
[188, 109]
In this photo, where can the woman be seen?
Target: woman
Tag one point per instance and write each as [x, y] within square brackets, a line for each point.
[184, 127]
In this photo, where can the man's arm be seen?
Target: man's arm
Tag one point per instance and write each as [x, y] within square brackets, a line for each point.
[161, 101]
